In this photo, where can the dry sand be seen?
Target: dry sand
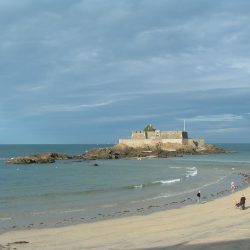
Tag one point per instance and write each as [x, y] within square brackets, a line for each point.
[213, 225]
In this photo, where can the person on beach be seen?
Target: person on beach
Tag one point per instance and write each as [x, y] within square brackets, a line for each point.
[198, 197]
[233, 187]
[242, 202]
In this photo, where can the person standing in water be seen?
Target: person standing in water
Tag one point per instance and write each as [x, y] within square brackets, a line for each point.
[233, 187]
[198, 197]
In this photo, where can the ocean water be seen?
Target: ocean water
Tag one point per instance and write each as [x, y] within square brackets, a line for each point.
[70, 192]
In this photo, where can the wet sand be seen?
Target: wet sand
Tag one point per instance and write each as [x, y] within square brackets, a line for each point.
[211, 225]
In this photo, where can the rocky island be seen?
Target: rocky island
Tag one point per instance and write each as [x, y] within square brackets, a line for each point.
[149, 143]
[153, 143]
[121, 151]
[42, 158]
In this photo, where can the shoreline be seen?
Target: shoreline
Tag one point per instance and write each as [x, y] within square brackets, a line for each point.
[140, 208]
[211, 222]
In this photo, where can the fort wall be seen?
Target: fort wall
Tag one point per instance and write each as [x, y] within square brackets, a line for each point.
[138, 135]
[152, 138]
[195, 142]
[157, 134]
[148, 142]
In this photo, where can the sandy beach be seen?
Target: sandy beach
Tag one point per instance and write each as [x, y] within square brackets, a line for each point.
[210, 225]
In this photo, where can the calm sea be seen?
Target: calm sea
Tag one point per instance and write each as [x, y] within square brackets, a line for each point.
[69, 192]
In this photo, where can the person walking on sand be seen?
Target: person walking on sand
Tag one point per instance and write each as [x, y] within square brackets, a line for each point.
[198, 197]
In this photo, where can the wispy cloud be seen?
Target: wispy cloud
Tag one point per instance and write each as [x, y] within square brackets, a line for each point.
[68, 108]
[216, 118]
[222, 130]
[33, 88]
[243, 65]
[111, 119]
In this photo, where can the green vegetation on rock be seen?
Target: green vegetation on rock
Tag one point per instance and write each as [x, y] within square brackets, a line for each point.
[148, 128]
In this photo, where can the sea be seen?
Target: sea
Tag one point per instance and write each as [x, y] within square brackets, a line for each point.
[78, 191]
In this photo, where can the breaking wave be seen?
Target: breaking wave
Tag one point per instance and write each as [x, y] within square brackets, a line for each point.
[191, 172]
[160, 182]
[167, 181]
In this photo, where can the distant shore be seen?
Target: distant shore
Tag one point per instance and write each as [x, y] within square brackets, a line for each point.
[215, 224]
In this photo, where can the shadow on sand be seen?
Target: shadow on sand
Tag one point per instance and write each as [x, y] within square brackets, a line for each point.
[223, 245]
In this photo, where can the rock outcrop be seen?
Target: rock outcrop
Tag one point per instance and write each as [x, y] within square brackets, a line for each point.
[121, 151]
[41, 158]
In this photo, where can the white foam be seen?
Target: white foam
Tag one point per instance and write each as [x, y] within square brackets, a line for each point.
[138, 186]
[191, 172]
[192, 168]
[186, 192]
[167, 181]
[6, 218]
[72, 211]
[38, 213]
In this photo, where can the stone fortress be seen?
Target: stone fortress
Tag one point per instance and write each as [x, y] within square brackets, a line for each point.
[158, 137]
[153, 143]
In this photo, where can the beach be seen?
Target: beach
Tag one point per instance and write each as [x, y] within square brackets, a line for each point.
[123, 204]
[210, 225]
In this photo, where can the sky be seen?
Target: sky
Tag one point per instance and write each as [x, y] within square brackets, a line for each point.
[91, 71]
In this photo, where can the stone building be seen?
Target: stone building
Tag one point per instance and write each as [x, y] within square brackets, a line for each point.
[152, 138]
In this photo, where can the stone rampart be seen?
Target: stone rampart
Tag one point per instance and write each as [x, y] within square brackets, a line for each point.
[194, 142]
[173, 135]
[138, 135]
[157, 134]
[148, 142]
[152, 138]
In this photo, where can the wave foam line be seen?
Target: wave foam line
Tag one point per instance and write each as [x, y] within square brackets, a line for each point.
[188, 191]
[167, 181]
[191, 172]
[6, 218]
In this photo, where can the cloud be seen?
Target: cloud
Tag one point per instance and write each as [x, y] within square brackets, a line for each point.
[128, 118]
[216, 118]
[68, 108]
[121, 59]
[32, 88]
[222, 130]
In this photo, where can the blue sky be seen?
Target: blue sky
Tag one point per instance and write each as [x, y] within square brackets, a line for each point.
[91, 71]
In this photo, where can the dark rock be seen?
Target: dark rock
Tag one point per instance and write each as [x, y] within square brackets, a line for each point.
[121, 151]
[41, 158]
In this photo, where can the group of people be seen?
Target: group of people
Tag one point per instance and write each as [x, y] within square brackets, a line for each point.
[240, 204]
